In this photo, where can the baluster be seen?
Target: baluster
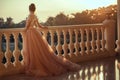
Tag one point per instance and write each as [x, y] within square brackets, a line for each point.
[86, 73]
[100, 76]
[71, 45]
[88, 41]
[22, 51]
[83, 73]
[76, 42]
[45, 34]
[98, 40]
[103, 39]
[59, 46]
[2, 67]
[52, 40]
[71, 77]
[89, 73]
[16, 52]
[65, 45]
[104, 71]
[8, 53]
[96, 73]
[118, 46]
[77, 76]
[80, 72]
[82, 44]
[93, 40]
[101, 73]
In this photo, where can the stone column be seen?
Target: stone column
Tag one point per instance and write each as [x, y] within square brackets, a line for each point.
[118, 26]
[110, 35]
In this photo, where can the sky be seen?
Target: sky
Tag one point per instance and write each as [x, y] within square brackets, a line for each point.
[18, 9]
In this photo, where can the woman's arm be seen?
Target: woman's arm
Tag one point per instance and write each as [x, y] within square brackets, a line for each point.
[39, 25]
[27, 24]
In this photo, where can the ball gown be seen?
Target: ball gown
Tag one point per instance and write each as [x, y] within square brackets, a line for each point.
[39, 58]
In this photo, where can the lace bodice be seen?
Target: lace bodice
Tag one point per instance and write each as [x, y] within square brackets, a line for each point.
[31, 21]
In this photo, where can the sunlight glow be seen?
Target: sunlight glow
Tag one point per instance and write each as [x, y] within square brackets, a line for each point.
[43, 37]
[18, 9]
[101, 76]
[64, 59]
[51, 49]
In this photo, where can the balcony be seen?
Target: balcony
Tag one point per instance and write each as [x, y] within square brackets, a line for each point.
[78, 43]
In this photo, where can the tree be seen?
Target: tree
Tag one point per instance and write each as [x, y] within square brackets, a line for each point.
[21, 24]
[50, 21]
[9, 22]
[84, 17]
[61, 19]
[1, 22]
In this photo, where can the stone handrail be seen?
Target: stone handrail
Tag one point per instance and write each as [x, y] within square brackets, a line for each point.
[75, 42]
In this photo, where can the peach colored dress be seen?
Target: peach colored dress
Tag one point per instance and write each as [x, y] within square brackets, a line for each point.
[39, 58]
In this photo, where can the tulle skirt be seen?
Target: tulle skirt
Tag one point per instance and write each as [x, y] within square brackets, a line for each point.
[40, 59]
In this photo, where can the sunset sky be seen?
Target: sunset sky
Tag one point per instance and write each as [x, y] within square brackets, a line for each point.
[18, 9]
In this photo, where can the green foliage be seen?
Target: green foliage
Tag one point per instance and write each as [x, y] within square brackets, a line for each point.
[84, 17]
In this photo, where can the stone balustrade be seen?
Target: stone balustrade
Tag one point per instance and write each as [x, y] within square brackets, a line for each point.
[75, 42]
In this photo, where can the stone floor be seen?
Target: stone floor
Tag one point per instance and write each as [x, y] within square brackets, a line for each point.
[102, 69]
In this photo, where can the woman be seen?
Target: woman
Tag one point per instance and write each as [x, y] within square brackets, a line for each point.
[39, 58]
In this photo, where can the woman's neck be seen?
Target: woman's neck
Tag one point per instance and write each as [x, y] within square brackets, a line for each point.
[31, 12]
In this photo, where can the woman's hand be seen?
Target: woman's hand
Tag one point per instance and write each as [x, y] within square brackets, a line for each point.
[39, 25]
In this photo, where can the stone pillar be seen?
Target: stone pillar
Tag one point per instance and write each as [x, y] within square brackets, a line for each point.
[109, 25]
[118, 26]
